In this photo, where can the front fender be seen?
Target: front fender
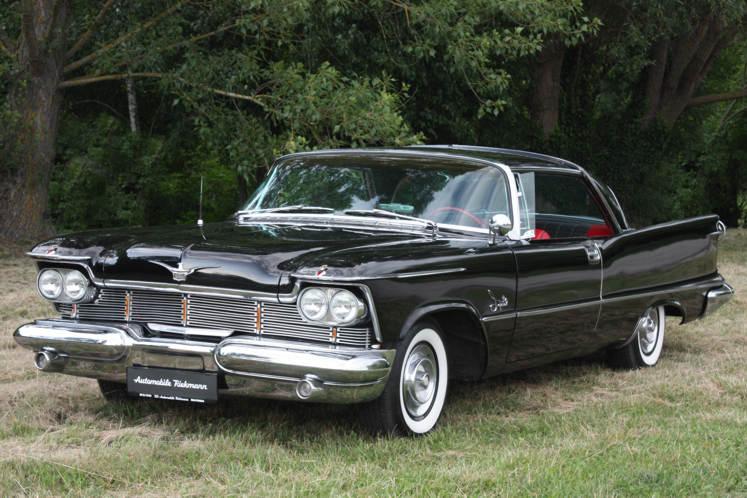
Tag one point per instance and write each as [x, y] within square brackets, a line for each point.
[429, 309]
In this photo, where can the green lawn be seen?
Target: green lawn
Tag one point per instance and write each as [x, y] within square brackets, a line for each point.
[574, 428]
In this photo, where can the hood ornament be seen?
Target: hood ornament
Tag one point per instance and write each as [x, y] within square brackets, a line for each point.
[180, 273]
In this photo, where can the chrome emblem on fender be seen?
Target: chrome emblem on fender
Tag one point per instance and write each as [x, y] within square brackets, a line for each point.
[497, 305]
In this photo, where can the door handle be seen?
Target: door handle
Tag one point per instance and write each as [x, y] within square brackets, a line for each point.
[593, 253]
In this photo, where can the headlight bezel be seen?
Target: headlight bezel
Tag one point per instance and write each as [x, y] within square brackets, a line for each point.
[63, 297]
[328, 318]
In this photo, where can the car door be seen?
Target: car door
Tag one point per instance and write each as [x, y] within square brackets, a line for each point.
[559, 270]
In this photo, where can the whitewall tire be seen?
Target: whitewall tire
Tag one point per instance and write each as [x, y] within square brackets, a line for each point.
[650, 336]
[645, 347]
[415, 394]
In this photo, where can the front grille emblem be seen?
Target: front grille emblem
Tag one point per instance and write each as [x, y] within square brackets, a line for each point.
[180, 273]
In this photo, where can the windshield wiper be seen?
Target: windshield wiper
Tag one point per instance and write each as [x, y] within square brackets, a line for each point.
[299, 208]
[381, 213]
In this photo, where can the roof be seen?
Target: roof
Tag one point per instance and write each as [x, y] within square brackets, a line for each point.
[510, 157]
[513, 159]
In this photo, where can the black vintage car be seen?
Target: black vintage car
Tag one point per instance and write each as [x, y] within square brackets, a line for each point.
[374, 276]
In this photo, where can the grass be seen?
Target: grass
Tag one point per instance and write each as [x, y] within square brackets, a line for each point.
[574, 428]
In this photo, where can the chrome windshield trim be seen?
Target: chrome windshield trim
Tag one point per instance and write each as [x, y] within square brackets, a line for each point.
[336, 220]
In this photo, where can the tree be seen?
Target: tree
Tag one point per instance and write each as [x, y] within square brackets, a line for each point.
[130, 40]
[683, 55]
[34, 102]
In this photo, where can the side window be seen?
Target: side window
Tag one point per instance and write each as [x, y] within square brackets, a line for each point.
[563, 208]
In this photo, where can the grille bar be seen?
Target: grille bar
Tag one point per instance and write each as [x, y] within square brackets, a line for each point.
[243, 316]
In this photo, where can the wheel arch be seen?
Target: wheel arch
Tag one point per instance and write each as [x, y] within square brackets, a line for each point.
[465, 336]
[672, 307]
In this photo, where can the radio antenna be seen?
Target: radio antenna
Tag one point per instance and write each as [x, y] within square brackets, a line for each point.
[199, 219]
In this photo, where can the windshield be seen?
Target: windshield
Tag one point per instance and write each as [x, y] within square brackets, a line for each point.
[447, 192]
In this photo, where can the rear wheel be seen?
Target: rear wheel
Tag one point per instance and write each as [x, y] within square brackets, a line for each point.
[415, 394]
[644, 350]
[113, 391]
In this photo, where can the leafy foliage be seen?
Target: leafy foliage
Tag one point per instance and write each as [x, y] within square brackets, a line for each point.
[223, 87]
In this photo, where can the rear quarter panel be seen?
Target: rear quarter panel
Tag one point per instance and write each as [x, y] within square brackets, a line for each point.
[670, 263]
[660, 255]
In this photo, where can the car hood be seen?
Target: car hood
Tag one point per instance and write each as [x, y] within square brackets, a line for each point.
[257, 257]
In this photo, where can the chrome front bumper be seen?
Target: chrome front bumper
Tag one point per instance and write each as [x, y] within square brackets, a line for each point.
[715, 298]
[253, 366]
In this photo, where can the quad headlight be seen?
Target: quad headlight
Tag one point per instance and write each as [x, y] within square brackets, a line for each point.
[330, 306]
[76, 285]
[64, 285]
[50, 283]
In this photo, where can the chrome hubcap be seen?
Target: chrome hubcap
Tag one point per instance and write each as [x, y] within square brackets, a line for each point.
[648, 330]
[419, 380]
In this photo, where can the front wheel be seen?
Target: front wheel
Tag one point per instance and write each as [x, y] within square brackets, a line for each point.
[415, 394]
[644, 350]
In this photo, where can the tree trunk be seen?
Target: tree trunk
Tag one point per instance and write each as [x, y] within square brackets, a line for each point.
[35, 100]
[680, 65]
[545, 105]
[132, 104]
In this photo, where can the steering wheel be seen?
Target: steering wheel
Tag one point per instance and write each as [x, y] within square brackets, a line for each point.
[477, 221]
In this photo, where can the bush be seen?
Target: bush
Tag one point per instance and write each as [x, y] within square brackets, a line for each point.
[108, 176]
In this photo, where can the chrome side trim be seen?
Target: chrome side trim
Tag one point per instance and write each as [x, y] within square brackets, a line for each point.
[555, 309]
[664, 290]
[417, 274]
[57, 257]
[721, 293]
[414, 274]
[498, 317]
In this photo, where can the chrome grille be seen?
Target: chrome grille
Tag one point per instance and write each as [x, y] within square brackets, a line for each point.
[218, 312]
[157, 307]
[244, 316]
[109, 305]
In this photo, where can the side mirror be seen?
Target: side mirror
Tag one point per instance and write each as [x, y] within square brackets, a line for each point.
[500, 224]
